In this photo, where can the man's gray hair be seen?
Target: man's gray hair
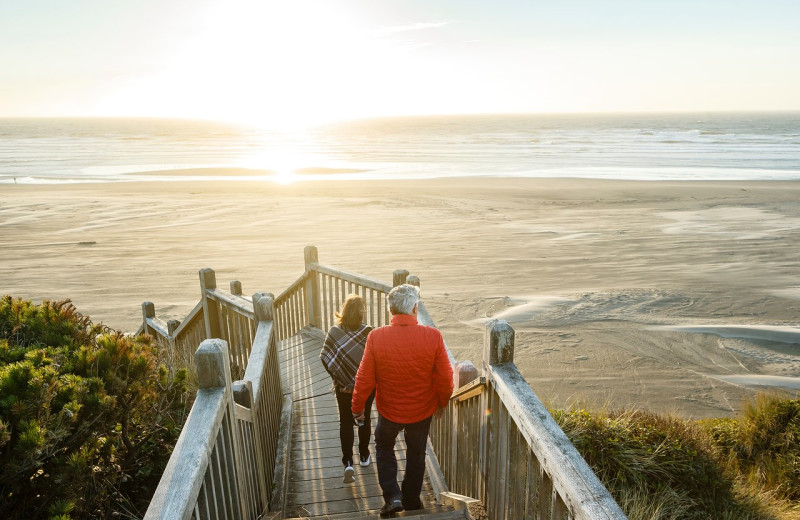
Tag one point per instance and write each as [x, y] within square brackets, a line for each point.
[401, 299]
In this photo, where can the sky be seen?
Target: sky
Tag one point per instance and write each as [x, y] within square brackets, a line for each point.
[295, 62]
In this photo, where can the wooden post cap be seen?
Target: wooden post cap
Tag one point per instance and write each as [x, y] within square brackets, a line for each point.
[498, 343]
[399, 277]
[208, 279]
[412, 279]
[148, 310]
[311, 255]
[211, 360]
[263, 306]
[243, 393]
[465, 372]
[236, 288]
[172, 326]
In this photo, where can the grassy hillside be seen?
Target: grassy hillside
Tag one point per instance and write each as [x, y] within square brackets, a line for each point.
[667, 468]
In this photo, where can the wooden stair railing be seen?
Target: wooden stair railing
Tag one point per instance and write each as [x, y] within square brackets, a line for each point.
[496, 442]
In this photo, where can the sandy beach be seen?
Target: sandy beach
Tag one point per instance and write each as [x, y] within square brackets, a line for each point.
[675, 297]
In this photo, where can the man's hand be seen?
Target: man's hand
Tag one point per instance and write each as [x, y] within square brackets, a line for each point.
[359, 418]
[438, 413]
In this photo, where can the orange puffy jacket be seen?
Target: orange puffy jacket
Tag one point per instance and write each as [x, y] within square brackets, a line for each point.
[408, 365]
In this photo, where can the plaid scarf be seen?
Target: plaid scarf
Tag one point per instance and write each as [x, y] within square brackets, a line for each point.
[341, 354]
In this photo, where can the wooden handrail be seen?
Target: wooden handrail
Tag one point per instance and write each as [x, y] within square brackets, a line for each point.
[193, 315]
[291, 289]
[197, 459]
[235, 302]
[179, 488]
[573, 480]
[498, 443]
[249, 430]
[469, 390]
[363, 281]
[158, 326]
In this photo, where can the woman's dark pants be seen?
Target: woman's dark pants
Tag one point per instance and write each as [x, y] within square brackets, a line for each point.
[346, 423]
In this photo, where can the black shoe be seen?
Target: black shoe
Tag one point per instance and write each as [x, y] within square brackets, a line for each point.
[389, 509]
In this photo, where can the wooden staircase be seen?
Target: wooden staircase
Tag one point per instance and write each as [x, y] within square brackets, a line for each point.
[261, 441]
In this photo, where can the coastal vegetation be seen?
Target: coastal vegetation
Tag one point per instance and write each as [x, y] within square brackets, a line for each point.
[662, 467]
[88, 415]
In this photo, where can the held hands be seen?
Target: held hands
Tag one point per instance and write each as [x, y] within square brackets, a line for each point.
[359, 418]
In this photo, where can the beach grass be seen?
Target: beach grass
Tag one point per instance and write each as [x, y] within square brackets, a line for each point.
[663, 467]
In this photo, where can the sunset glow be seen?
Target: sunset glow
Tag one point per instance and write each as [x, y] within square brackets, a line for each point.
[291, 64]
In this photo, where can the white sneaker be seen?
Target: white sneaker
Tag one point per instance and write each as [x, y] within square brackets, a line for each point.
[349, 475]
[365, 462]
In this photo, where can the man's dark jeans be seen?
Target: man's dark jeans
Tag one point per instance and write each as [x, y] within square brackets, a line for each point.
[416, 441]
[346, 423]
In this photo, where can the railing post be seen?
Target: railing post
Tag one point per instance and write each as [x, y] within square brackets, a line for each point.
[498, 343]
[213, 371]
[213, 365]
[172, 326]
[312, 288]
[498, 347]
[148, 311]
[208, 281]
[263, 306]
[236, 288]
[399, 277]
[464, 372]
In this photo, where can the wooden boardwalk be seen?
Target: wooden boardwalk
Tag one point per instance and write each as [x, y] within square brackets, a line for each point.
[315, 488]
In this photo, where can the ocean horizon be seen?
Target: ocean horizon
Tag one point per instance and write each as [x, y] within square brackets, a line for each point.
[690, 146]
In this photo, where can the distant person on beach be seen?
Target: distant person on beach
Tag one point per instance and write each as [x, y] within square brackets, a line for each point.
[408, 365]
[341, 355]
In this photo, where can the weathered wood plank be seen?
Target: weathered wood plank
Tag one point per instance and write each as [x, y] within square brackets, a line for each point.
[329, 495]
[305, 486]
[431, 513]
[340, 506]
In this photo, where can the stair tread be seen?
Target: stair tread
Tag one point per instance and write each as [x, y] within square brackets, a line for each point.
[430, 513]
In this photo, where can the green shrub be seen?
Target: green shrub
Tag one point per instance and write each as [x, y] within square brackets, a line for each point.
[85, 415]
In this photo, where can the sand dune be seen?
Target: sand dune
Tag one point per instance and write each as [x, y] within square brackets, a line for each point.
[584, 270]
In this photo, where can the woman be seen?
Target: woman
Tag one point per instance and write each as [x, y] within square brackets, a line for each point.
[341, 355]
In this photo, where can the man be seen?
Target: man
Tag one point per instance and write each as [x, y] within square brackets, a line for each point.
[407, 364]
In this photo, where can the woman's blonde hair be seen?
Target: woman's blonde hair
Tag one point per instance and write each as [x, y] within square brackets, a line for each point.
[352, 312]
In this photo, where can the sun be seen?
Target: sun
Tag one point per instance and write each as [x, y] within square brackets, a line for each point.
[261, 63]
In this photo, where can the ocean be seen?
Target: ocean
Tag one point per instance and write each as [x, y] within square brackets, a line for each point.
[638, 147]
